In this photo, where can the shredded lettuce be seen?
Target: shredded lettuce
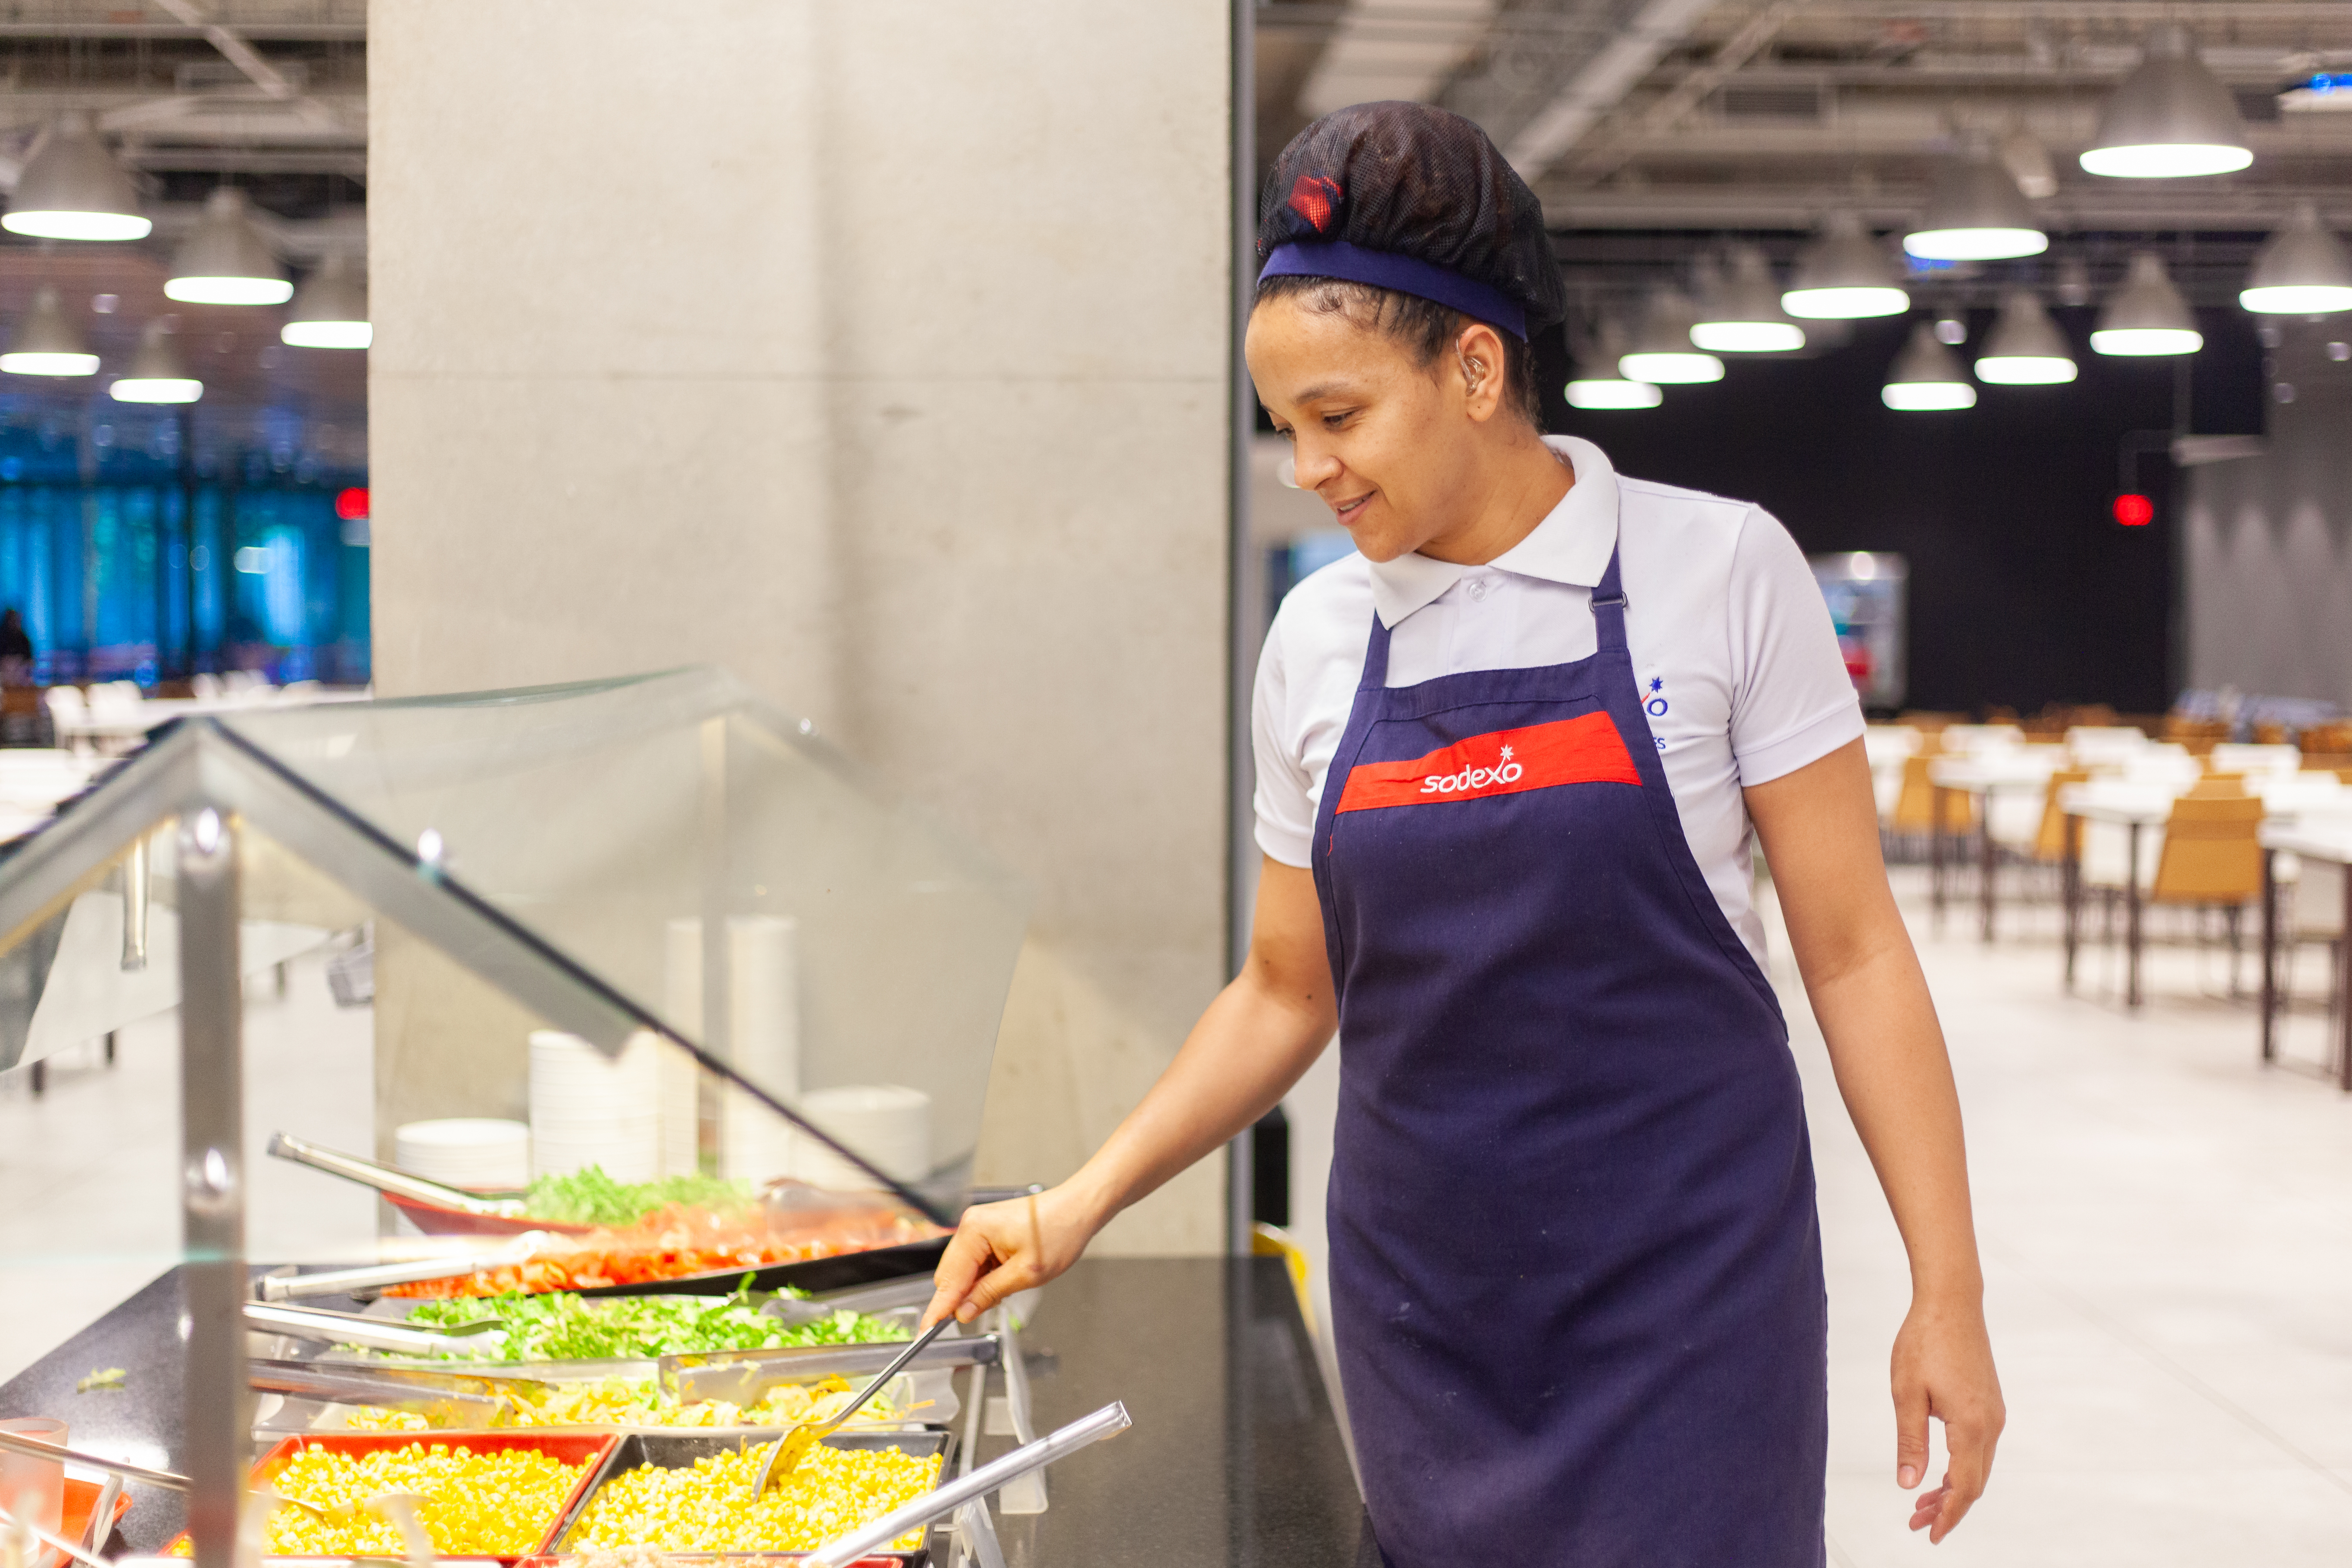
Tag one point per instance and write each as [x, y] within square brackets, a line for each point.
[589, 1196]
[563, 1326]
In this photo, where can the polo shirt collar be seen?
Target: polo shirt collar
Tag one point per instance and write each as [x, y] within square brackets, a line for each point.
[1571, 545]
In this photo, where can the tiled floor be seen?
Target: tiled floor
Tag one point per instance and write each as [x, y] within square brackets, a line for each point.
[2168, 1233]
[2167, 1239]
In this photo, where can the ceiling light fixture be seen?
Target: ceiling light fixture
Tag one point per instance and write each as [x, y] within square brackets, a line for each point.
[2146, 315]
[1975, 212]
[2171, 119]
[225, 260]
[2025, 347]
[330, 311]
[1663, 353]
[72, 188]
[1594, 380]
[1844, 276]
[1927, 376]
[2302, 271]
[156, 373]
[1745, 316]
[47, 344]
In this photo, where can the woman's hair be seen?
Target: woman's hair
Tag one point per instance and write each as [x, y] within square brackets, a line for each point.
[1424, 328]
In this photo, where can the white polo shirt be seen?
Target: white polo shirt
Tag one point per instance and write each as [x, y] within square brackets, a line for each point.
[1731, 641]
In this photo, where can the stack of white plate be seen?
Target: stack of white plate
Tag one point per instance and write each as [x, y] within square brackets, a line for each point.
[886, 1124]
[589, 1109]
[479, 1153]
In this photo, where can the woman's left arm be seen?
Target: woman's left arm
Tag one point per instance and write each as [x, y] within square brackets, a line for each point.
[1819, 827]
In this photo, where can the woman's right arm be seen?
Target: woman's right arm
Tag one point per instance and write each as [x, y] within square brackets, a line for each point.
[1263, 1030]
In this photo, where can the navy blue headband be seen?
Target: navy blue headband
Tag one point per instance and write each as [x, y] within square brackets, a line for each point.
[1405, 274]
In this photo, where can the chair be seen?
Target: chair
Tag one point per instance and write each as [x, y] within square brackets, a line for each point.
[207, 685]
[2050, 842]
[2213, 859]
[1915, 807]
[68, 715]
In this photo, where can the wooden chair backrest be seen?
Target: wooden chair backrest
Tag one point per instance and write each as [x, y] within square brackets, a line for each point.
[1914, 808]
[2211, 854]
[2050, 841]
[2220, 787]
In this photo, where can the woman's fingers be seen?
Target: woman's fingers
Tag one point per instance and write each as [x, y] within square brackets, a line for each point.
[1927, 1506]
[969, 1255]
[1971, 1439]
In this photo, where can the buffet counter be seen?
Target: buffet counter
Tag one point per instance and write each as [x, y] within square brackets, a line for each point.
[1235, 1456]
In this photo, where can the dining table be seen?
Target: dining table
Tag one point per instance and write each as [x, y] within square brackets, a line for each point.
[2312, 837]
[2140, 805]
[1983, 777]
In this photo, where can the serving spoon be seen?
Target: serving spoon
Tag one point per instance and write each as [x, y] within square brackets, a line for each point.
[784, 1456]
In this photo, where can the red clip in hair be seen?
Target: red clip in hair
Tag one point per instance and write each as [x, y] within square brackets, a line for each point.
[1315, 197]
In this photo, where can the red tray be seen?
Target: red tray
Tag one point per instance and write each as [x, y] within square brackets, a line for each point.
[589, 1449]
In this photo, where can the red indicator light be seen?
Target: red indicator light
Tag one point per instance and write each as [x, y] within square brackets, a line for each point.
[2135, 511]
[350, 505]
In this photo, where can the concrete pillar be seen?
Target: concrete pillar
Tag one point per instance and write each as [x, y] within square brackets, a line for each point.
[875, 352]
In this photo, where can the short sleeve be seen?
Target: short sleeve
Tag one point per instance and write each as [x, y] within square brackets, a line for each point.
[1284, 801]
[1791, 702]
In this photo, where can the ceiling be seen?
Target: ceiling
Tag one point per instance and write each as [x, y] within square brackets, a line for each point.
[1653, 129]
[270, 95]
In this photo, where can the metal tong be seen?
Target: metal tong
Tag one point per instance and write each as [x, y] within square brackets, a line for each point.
[375, 1277]
[396, 1183]
[448, 1399]
[967, 1490]
[785, 1455]
[356, 1329]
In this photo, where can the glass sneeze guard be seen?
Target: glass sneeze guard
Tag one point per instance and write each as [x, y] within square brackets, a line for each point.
[656, 992]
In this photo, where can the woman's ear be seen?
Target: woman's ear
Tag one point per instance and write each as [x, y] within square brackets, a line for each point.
[1479, 361]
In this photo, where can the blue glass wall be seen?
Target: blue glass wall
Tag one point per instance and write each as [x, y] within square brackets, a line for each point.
[129, 561]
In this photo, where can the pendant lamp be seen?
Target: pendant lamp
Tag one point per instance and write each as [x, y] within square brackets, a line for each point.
[156, 373]
[1975, 212]
[1745, 316]
[1663, 353]
[46, 343]
[330, 310]
[1594, 380]
[73, 189]
[225, 260]
[2302, 270]
[2025, 347]
[1927, 376]
[2171, 119]
[2146, 315]
[1845, 276]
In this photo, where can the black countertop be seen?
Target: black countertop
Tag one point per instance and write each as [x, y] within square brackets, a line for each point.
[1234, 1457]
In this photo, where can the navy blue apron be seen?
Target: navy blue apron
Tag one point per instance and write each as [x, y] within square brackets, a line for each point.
[1576, 1271]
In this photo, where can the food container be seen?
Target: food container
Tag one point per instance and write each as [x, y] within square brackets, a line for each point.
[677, 1450]
[594, 1449]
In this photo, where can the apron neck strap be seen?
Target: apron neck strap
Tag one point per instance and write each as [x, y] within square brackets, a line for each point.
[1607, 609]
[1376, 657]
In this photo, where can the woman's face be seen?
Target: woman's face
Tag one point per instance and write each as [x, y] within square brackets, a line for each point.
[1387, 443]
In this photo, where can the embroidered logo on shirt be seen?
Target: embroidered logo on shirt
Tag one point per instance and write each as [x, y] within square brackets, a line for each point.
[1583, 750]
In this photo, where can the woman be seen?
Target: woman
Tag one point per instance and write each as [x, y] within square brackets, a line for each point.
[1508, 756]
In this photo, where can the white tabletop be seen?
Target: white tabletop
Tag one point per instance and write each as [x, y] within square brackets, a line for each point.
[2113, 800]
[2324, 839]
[2024, 769]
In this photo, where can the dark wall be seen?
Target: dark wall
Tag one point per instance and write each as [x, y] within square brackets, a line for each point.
[2023, 589]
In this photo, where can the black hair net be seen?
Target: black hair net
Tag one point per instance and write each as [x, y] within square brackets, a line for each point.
[1418, 180]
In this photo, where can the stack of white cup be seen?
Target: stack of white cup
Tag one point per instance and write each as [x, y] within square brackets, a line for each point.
[589, 1109]
[478, 1154]
[763, 1017]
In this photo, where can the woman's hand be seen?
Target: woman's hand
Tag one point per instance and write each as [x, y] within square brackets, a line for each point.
[1003, 1249]
[1943, 1368]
